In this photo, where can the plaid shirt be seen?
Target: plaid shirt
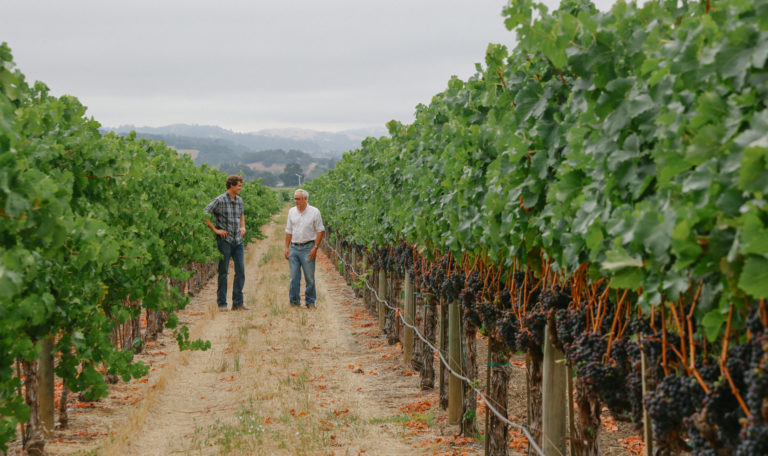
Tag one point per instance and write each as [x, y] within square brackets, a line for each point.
[226, 214]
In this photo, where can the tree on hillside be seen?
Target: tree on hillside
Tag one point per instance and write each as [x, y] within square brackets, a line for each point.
[249, 174]
[290, 175]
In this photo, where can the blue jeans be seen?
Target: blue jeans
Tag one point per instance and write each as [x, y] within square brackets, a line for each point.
[237, 254]
[298, 258]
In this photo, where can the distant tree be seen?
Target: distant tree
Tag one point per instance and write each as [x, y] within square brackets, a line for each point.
[239, 169]
[267, 178]
[290, 175]
[249, 174]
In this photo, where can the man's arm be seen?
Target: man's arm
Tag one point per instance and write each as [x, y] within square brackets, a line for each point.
[313, 252]
[217, 232]
[242, 225]
[211, 209]
[288, 237]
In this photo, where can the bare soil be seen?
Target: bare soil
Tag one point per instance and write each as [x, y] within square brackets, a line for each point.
[283, 380]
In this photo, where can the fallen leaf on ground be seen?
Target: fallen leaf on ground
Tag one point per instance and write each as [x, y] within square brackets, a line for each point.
[634, 444]
[609, 424]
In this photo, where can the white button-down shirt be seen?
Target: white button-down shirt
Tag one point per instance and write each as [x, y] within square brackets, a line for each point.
[304, 226]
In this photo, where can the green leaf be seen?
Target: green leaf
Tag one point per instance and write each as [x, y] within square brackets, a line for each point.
[618, 259]
[712, 322]
[628, 278]
[16, 204]
[752, 175]
[754, 277]
[754, 236]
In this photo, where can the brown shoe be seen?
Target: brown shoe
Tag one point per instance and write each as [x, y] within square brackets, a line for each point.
[241, 308]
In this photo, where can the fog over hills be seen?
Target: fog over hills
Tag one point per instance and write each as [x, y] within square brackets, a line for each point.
[277, 156]
[316, 143]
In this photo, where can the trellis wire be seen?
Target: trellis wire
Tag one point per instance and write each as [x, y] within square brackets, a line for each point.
[445, 362]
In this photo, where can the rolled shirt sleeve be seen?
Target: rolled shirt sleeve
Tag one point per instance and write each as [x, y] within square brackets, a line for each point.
[212, 206]
[319, 228]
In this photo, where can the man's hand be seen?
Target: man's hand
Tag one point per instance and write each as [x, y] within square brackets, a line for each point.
[313, 253]
[242, 231]
[287, 252]
[222, 233]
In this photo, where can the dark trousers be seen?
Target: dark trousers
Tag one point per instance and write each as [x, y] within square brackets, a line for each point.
[298, 259]
[237, 254]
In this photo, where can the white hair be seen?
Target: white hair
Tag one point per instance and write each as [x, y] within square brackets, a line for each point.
[303, 192]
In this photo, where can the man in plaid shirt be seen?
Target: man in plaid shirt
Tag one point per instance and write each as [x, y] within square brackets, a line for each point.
[229, 228]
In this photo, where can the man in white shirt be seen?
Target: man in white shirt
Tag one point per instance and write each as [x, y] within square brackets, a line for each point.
[303, 232]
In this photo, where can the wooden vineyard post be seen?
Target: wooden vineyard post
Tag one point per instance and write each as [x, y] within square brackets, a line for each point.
[376, 292]
[336, 254]
[419, 346]
[487, 391]
[33, 440]
[469, 370]
[349, 265]
[45, 385]
[392, 326]
[647, 428]
[571, 415]
[428, 363]
[409, 318]
[443, 350]
[553, 398]
[63, 416]
[498, 367]
[364, 289]
[359, 271]
[533, 359]
[455, 399]
[344, 264]
[382, 295]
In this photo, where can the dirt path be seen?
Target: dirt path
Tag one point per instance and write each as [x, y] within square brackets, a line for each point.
[277, 380]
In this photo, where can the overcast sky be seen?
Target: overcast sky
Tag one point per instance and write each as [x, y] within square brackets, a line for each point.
[248, 65]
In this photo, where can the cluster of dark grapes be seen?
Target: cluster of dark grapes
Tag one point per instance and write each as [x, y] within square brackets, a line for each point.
[754, 323]
[754, 439]
[452, 286]
[531, 335]
[756, 376]
[674, 400]
[381, 258]
[432, 279]
[468, 298]
[519, 278]
[570, 324]
[471, 291]
[490, 315]
[698, 445]
[605, 379]
[505, 299]
[651, 345]
[403, 258]
[634, 384]
[508, 329]
[720, 412]
[555, 298]
[715, 421]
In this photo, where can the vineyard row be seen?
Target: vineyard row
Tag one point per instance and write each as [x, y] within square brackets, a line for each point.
[600, 190]
[97, 234]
